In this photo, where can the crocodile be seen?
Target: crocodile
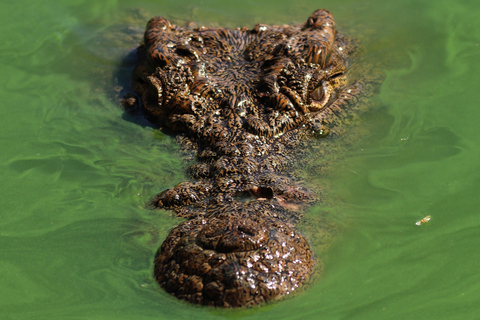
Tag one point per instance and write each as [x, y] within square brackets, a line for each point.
[248, 103]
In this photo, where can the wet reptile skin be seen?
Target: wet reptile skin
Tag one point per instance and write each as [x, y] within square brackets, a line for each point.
[248, 102]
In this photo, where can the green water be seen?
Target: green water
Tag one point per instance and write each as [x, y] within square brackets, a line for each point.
[77, 243]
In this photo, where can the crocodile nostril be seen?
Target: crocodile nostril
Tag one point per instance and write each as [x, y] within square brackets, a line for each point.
[246, 230]
[232, 236]
[262, 192]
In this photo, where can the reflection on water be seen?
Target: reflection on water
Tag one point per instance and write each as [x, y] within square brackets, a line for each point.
[77, 242]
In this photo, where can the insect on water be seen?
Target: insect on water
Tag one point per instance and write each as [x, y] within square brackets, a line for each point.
[423, 221]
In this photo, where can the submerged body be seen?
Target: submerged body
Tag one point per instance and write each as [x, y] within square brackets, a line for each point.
[247, 102]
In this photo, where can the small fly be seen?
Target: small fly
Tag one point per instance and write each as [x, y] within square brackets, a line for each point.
[423, 221]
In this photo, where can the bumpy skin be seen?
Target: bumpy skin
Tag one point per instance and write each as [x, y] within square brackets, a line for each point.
[247, 102]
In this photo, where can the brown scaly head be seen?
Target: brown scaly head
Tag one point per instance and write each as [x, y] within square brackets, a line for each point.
[264, 81]
[241, 97]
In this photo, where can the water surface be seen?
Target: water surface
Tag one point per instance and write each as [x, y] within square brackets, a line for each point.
[76, 241]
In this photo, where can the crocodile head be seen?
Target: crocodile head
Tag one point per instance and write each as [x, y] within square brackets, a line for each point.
[262, 81]
[241, 98]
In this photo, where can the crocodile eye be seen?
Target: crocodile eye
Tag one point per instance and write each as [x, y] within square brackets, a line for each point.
[321, 96]
[318, 93]
[187, 52]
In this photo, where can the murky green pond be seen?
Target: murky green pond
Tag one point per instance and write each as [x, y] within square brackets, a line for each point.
[75, 172]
